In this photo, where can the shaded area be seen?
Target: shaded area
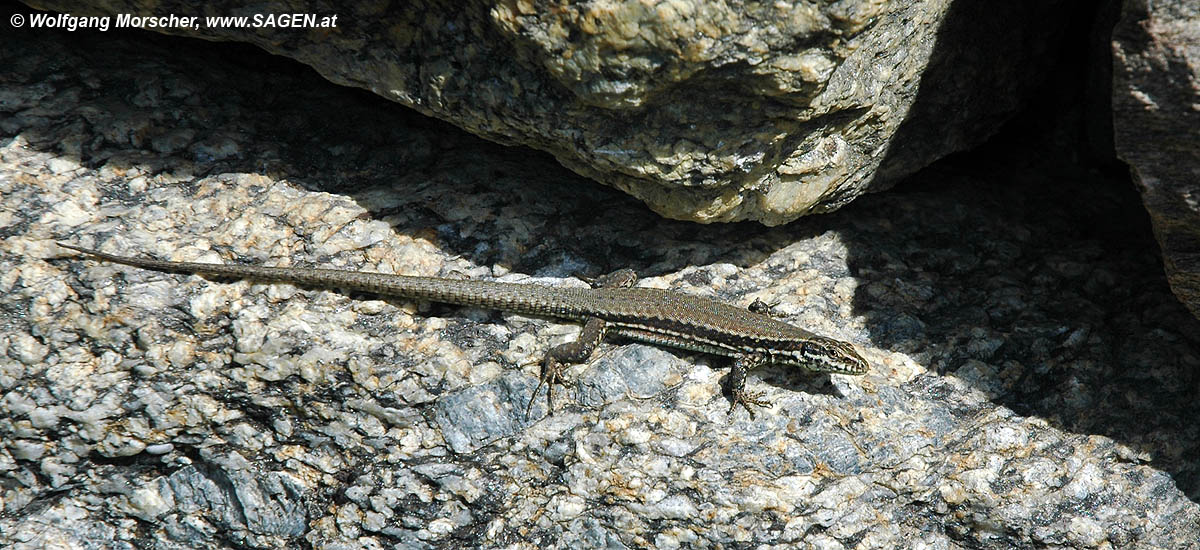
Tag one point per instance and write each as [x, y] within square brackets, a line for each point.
[1028, 268]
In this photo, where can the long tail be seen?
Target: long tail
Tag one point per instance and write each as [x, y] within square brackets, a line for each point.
[518, 298]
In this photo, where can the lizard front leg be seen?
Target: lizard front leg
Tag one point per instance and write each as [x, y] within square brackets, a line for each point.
[564, 355]
[737, 383]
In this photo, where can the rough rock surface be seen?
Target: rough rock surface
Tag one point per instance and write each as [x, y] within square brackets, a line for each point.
[1033, 384]
[706, 111]
[1156, 115]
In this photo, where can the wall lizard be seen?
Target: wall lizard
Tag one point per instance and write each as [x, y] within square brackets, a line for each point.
[612, 307]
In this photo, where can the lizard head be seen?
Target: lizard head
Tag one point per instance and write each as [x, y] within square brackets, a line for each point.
[820, 354]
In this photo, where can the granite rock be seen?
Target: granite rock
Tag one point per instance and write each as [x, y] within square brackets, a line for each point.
[706, 111]
[1156, 118]
[1033, 380]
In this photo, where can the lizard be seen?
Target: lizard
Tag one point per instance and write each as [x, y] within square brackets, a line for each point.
[612, 306]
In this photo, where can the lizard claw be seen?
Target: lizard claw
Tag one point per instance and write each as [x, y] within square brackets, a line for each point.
[746, 399]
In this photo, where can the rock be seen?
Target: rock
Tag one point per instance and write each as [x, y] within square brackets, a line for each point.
[1032, 382]
[706, 111]
[1156, 119]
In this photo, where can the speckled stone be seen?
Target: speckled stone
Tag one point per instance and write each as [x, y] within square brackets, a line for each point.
[705, 111]
[1156, 120]
[1032, 385]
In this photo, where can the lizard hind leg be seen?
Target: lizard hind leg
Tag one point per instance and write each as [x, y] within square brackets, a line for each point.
[564, 355]
[621, 278]
[759, 306]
